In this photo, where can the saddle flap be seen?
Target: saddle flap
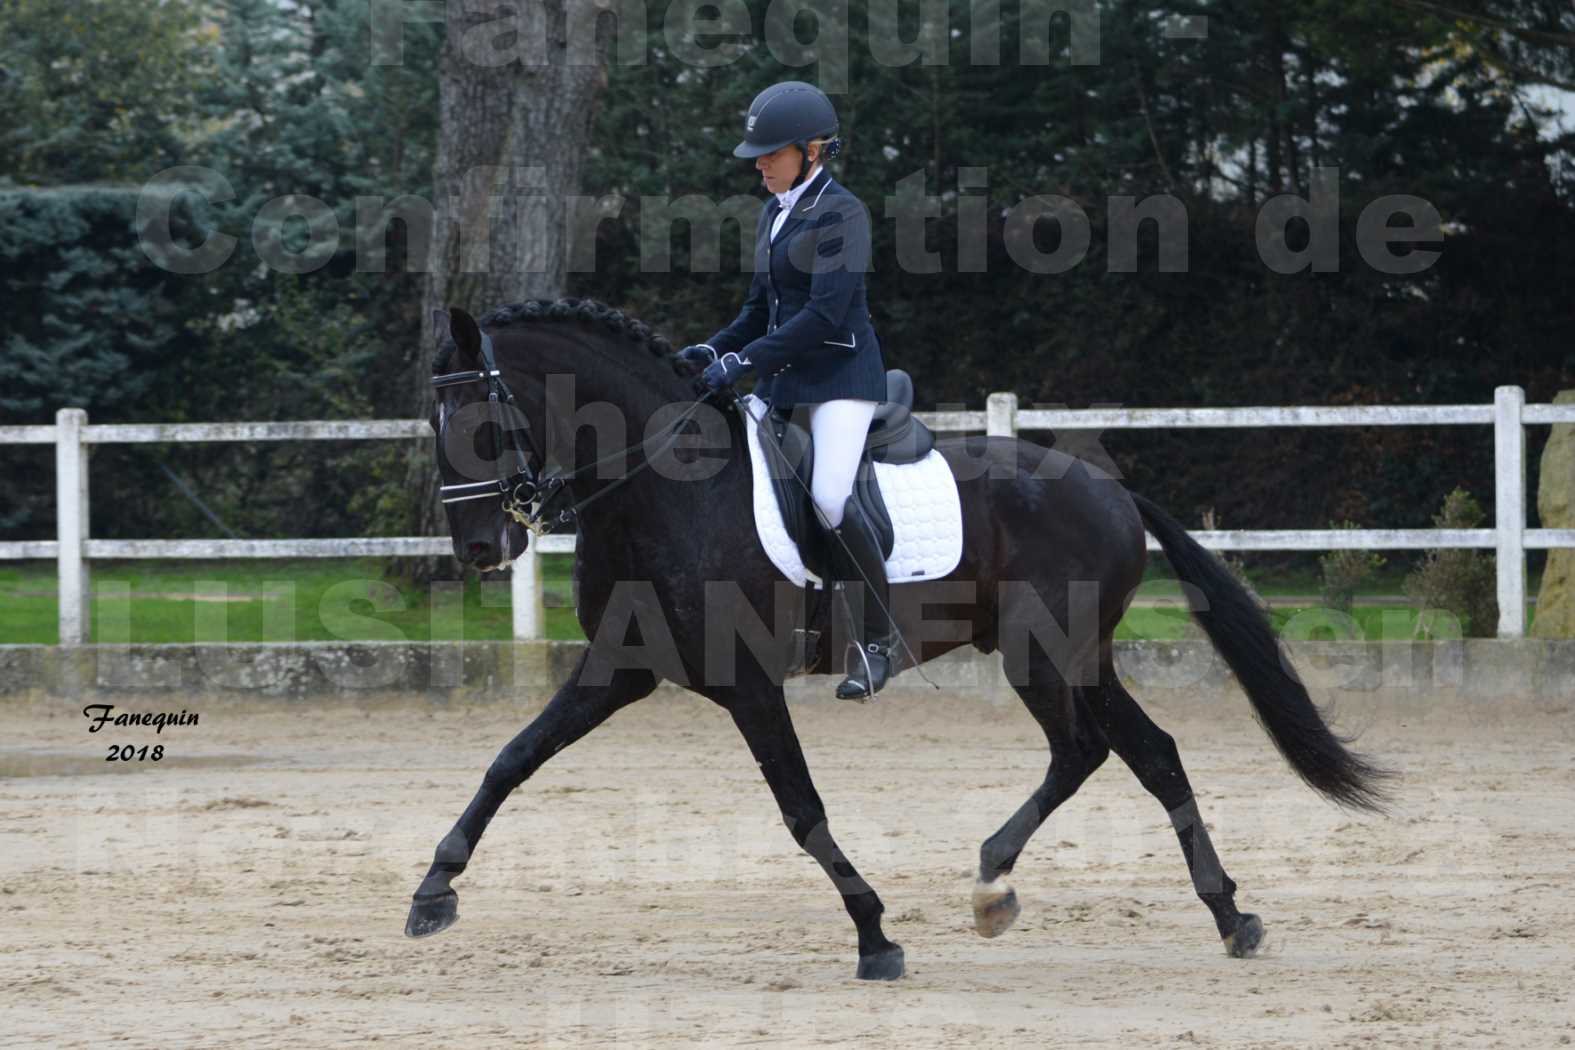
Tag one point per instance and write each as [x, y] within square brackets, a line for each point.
[926, 542]
[792, 474]
[793, 494]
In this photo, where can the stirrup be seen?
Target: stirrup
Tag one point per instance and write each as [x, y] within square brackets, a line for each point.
[869, 685]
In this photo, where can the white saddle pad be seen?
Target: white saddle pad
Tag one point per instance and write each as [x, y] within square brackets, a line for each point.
[922, 499]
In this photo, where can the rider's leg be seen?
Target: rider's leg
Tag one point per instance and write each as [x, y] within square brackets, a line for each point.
[839, 429]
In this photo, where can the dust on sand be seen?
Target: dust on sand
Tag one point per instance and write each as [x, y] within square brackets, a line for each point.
[641, 890]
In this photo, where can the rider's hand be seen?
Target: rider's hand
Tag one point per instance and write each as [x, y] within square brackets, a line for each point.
[725, 371]
[691, 359]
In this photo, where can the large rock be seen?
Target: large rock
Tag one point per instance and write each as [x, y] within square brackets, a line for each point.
[1555, 616]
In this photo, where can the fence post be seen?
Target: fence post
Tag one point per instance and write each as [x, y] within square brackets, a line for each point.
[1509, 508]
[71, 526]
[1000, 415]
[529, 610]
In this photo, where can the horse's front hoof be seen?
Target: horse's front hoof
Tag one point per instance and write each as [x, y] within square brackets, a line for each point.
[1243, 944]
[995, 907]
[884, 965]
[429, 915]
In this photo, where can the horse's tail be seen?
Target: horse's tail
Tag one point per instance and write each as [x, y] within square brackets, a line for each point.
[1243, 635]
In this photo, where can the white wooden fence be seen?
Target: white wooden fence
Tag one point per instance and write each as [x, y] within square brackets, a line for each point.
[73, 549]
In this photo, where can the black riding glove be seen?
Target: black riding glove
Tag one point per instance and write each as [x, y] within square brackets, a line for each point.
[691, 359]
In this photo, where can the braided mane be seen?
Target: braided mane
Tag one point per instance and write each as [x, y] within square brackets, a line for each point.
[584, 311]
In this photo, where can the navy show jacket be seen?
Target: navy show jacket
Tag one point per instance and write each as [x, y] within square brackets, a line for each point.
[806, 324]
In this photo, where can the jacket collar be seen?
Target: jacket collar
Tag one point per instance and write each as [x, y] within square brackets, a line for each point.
[789, 198]
[803, 206]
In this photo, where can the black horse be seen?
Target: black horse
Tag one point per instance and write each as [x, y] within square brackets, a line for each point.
[669, 574]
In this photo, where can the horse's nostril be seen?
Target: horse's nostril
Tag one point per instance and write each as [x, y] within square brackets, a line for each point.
[476, 550]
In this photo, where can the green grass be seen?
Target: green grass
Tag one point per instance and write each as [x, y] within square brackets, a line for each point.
[349, 600]
[1308, 621]
[272, 601]
[1373, 623]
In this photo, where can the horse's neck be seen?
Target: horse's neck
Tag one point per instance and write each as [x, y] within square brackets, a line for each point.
[651, 497]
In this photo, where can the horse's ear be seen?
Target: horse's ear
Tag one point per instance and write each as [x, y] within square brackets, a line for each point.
[466, 333]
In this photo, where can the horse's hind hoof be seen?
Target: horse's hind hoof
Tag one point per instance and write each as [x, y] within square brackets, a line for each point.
[885, 965]
[1243, 944]
[429, 915]
[995, 907]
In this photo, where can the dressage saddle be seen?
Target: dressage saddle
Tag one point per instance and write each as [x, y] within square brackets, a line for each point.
[895, 436]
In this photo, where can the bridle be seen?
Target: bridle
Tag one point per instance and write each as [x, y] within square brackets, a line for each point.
[525, 485]
[526, 492]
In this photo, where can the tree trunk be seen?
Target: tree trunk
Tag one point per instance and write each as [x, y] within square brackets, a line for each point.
[507, 166]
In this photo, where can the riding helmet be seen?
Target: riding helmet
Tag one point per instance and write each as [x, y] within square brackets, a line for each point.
[787, 114]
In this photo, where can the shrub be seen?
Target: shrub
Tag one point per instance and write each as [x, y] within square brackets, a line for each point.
[1460, 582]
[1346, 570]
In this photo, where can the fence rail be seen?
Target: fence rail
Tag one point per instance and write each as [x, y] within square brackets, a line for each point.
[73, 550]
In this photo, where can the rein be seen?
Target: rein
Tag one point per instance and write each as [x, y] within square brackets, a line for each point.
[527, 493]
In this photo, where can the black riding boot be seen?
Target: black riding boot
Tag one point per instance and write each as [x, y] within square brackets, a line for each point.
[859, 560]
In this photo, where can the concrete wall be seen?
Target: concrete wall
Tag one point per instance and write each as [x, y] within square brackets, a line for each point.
[1486, 676]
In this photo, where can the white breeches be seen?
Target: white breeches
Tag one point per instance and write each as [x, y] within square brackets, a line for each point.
[839, 429]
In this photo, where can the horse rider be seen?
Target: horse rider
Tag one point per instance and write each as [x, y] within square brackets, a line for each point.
[805, 329]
